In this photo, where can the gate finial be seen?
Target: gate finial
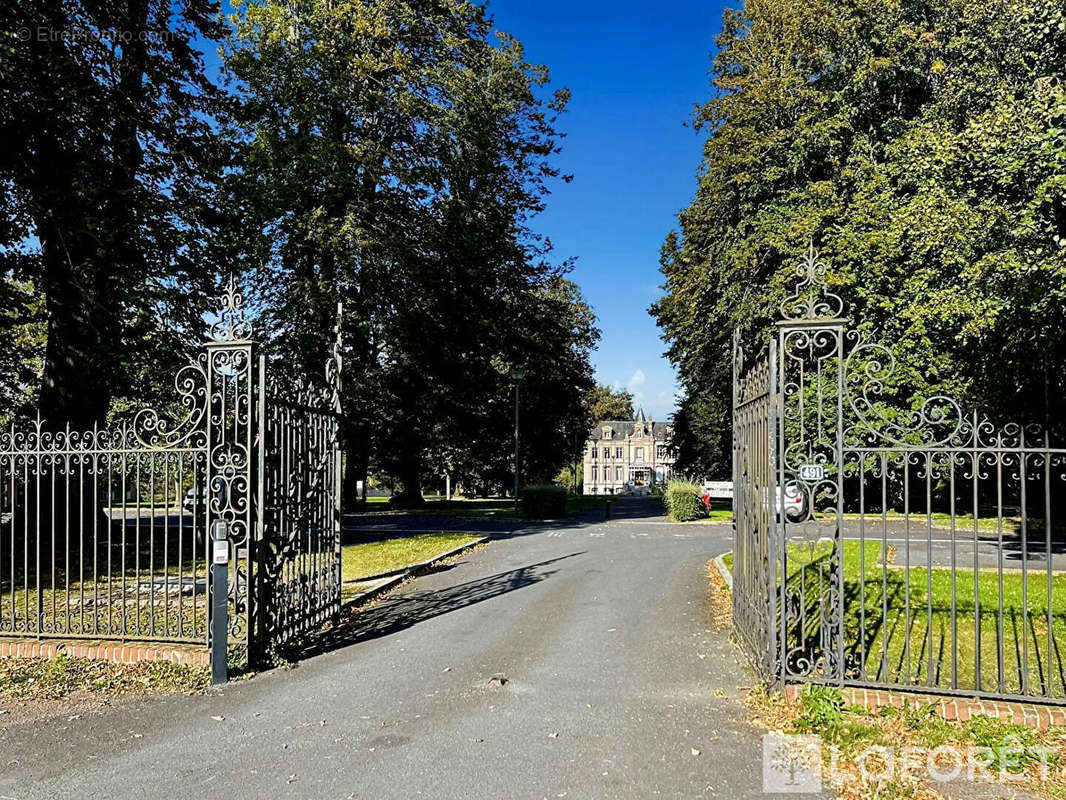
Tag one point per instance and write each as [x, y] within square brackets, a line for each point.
[231, 325]
[812, 298]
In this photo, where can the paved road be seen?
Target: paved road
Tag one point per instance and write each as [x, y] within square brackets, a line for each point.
[935, 544]
[611, 676]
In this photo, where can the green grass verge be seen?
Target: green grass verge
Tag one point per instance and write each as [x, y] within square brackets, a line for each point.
[715, 515]
[361, 561]
[55, 678]
[1030, 759]
[900, 625]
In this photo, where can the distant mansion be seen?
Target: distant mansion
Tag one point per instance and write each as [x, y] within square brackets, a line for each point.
[628, 457]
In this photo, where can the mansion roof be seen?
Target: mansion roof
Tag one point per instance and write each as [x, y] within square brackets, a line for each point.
[620, 429]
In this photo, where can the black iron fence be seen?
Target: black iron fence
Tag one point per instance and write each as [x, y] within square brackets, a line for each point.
[918, 547]
[104, 533]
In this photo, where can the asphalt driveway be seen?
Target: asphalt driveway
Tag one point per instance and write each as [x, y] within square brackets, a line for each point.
[573, 660]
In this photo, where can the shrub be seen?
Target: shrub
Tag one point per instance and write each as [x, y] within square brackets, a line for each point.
[683, 501]
[544, 502]
[820, 706]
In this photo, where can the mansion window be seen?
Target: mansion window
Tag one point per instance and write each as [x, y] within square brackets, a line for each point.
[595, 473]
[661, 451]
[618, 473]
[638, 454]
[595, 452]
[606, 452]
[618, 452]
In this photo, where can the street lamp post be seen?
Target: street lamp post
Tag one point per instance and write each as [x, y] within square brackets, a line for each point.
[519, 374]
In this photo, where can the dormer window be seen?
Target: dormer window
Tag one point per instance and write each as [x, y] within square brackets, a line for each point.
[607, 432]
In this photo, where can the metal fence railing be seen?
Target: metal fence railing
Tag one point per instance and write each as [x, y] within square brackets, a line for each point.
[915, 547]
[104, 534]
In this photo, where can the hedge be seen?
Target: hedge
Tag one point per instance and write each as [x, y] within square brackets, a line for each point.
[544, 502]
[683, 501]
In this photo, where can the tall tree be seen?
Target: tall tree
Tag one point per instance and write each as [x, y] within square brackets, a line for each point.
[106, 116]
[922, 145]
[394, 156]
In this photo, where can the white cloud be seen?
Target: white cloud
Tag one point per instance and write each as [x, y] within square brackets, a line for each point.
[636, 381]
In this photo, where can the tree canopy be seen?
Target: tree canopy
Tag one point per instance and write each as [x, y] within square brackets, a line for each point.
[921, 146]
[388, 155]
[109, 161]
[606, 402]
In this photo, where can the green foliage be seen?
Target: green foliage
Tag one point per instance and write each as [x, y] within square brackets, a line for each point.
[544, 502]
[922, 146]
[109, 166]
[683, 501]
[606, 403]
[820, 706]
[822, 711]
[566, 478]
[395, 153]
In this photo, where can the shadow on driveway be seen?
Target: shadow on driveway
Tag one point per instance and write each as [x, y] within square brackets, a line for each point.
[400, 612]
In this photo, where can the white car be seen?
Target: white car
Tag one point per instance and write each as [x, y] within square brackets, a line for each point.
[795, 502]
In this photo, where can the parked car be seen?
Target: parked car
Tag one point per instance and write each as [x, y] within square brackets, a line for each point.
[194, 501]
[795, 502]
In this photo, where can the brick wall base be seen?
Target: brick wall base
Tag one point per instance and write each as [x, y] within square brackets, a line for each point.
[952, 708]
[106, 651]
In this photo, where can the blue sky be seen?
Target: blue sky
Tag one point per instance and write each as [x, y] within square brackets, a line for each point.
[636, 70]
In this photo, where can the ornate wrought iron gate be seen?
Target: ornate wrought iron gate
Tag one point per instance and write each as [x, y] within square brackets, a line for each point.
[754, 434]
[300, 495]
[104, 533]
[900, 544]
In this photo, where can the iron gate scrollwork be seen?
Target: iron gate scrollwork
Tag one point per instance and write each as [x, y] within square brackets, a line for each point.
[902, 543]
[104, 533]
[300, 489]
[754, 576]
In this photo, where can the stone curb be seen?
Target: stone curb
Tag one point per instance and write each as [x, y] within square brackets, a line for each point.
[408, 572]
[723, 570]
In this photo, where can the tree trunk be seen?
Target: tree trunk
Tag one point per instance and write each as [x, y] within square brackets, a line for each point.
[357, 461]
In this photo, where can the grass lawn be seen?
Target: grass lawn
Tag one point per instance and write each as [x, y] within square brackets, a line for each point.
[716, 515]
[720, 511]
[900, 626]
[1026, 760]
[26, 679]
[361, 561]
